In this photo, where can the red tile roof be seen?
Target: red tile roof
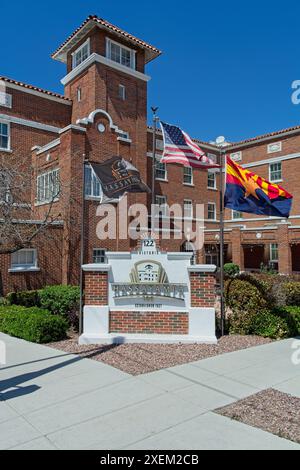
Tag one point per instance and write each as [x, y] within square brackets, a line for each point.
[153, 52]
[265, 136]
[34, 88]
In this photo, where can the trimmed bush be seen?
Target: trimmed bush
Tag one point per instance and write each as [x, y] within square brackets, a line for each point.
[61, 300]
[293, 316]
[245, 294]
[32, 324]
[271, 325]
[292, 293]
[231, 270]
[26, 298]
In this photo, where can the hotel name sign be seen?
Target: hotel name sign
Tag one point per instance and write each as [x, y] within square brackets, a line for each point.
[148, 280]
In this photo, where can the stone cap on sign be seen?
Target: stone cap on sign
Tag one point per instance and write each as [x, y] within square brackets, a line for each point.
[202, 268]
[99, 268]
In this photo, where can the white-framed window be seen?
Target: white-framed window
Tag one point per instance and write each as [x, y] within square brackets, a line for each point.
[188, 175]
[275, 147]
[211, 180]
[4, 135]
[161, 171]
[122, 92]
[236, 215]
[236, 156]
[92, 184]
[120, 54]
[5, 99]
[81, 54]
[211, 211]
[48, 187]
[159, 144]
[161, 201]
[79, 94]
[188, 209]
[24, 259]
[275, 170]
[99, 256]
[274, 252]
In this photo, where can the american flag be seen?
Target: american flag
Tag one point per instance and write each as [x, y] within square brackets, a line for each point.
[179, 148]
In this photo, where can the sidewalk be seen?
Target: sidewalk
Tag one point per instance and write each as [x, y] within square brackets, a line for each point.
[53, 400]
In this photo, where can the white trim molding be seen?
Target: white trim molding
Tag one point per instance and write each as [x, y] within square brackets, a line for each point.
[28, 123]
[202, 268]
[47, 147]
[38, 93]
[72, 127]
[96, 268]
[96, 58]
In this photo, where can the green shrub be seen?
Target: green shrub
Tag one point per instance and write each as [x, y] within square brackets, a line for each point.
[61, 300]
[292, 293]
[26, 298]
[231, 269]
[271, 325]
[32, 324]
[292, 314]
[244, 294]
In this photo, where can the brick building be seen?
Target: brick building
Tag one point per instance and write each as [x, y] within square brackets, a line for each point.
[103, 113]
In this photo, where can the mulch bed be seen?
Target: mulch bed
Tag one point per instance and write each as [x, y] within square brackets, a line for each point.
[137, 359]
[270, 410]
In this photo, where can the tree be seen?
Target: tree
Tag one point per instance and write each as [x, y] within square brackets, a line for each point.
[20, 222]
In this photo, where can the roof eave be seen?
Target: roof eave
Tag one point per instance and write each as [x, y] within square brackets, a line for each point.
[61, 53]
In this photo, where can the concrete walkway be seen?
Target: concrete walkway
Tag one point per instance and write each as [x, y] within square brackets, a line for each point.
[53, 400]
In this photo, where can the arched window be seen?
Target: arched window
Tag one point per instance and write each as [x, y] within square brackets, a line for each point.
[188, 247]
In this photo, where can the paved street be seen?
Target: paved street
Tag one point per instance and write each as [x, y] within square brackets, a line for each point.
[53, 400]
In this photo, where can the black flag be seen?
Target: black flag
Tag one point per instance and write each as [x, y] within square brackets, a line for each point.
[117, 176]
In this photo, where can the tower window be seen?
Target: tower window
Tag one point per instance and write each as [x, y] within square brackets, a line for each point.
[120, 54]
[79, 94]
[122, 92]
[81, 54]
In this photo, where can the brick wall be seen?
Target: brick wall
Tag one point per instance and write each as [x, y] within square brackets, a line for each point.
[169, 323]
[96, 288]
[202, 289]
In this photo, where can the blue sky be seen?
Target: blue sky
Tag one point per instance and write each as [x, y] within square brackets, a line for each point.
[227, 67]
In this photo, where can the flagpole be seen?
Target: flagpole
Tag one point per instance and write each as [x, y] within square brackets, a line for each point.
[222, 193]
[82, 246]
[155, 120]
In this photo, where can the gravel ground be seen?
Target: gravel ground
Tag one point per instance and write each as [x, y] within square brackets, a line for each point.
[137, 359]
[270, 410]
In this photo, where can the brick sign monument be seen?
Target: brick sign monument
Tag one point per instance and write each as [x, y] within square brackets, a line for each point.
[149, 296]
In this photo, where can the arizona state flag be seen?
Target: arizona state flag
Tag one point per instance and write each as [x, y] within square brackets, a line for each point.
[248, 192]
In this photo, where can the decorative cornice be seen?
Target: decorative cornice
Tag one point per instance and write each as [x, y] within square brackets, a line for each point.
[202, 268]
[96, 268]
[113, 127]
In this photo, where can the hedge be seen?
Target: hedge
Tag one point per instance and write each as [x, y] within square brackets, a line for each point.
[32, 324]
[25, 298]
[58, 300]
